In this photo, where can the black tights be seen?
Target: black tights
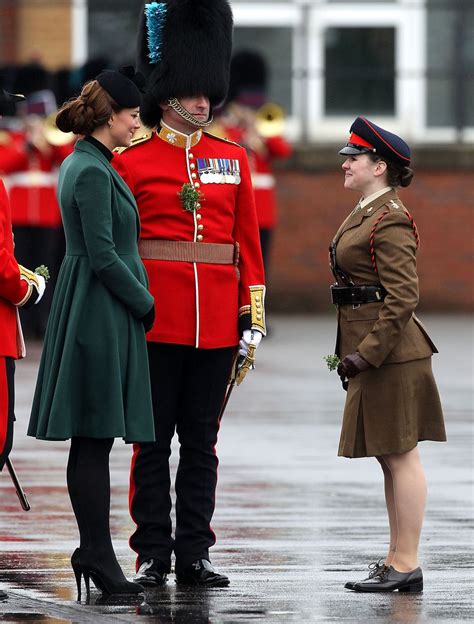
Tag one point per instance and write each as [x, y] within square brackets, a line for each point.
[88, 482]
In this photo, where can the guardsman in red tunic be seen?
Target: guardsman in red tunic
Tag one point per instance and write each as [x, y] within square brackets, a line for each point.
[200, 245]
[264, 142]
[29, 163]
[18, 287]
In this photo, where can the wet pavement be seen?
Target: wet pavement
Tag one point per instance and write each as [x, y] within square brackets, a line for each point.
[293, 520]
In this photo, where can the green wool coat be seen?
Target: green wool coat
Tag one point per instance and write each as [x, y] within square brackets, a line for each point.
[93, 379]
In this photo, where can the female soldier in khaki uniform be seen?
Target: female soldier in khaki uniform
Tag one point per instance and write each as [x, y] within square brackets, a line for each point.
[392, 399]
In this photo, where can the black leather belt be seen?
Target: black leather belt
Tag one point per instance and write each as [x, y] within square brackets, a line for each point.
[357, 295]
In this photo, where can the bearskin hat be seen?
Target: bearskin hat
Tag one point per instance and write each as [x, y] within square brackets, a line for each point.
[248, 78]
[184, 49]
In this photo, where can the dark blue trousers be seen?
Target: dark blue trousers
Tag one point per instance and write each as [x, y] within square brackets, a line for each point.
[188, 389]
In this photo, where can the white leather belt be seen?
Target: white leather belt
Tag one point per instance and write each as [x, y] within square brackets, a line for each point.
[31, 179]
[263, 180]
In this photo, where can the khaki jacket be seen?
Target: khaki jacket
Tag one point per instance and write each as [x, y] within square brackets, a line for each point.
[387, 332]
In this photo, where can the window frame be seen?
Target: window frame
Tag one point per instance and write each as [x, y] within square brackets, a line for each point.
[288, 14]
[410, 65]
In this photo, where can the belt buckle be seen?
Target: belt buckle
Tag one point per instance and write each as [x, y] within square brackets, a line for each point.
[355, 306]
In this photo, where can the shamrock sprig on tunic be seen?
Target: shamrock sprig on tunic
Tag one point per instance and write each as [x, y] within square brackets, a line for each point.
[43, 271]
[190, 197]
[332, 361]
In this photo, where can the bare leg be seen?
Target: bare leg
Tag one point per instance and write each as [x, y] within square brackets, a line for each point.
[391, 511]
[409, 489]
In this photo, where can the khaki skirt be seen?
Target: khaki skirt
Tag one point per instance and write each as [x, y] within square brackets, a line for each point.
[391, 409]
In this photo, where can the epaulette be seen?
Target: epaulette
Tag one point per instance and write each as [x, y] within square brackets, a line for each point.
[138, 141]
[218, 138]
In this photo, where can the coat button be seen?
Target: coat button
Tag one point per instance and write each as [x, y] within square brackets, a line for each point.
[196, 184]
[192, 166]
[190, 156]
[199, 237]
[198, 216]
[200, 227]
[198, 205]
[194, 176]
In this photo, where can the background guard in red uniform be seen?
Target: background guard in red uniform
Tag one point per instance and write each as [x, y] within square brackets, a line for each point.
[19, 287]
[30, 157]
[200, 246]
[251, 120]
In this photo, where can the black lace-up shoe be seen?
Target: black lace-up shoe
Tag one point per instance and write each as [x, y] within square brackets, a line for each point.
[201, 573]
[390, 580]
[152, 573]
[3, 595]
[375, 568]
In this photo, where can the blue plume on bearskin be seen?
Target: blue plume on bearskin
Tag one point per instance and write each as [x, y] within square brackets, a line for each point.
[195, 52]
[155, 13]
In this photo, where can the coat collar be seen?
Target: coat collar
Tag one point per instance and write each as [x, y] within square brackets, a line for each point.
[90, 148]
[178, 139]
[356, 217]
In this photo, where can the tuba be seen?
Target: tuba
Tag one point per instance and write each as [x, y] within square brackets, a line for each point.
[52, 134]
[270, 120]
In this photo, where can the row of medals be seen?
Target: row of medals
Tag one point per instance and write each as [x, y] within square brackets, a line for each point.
[215, 177]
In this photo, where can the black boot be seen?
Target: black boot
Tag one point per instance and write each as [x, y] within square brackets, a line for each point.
[201, 574]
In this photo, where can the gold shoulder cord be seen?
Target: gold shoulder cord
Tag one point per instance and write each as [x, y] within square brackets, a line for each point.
[135, 141]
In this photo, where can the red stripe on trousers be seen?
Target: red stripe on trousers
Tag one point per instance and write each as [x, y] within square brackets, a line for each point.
[3, 403]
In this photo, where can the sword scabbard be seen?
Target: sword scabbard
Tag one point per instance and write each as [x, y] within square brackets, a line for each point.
[25, 505]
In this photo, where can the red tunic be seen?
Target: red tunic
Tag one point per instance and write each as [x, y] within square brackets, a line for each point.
[12, 288]
[196, 303]
[31, 180]
[263, 179]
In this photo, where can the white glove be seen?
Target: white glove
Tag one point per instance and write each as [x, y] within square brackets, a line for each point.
[249, 336]
[41, 287]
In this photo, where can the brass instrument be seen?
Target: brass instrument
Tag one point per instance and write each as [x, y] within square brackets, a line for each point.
[270, 120]
[53, 135]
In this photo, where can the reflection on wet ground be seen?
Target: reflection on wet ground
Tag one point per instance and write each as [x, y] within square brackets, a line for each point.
[293, 521]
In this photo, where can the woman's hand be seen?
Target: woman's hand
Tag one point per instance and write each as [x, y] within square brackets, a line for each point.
[352, 365]
[149, 319]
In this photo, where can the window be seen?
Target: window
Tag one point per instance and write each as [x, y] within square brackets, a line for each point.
[359, 71]
[449, 91]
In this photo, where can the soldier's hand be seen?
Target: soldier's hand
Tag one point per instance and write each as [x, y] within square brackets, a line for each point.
[352, 365]
[36, 287]
[249, 336]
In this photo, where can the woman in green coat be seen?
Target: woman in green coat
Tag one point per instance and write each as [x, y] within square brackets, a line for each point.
[93, 381]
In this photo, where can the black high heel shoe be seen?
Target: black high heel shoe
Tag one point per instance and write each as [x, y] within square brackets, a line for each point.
[77, 569]
[84, 565]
